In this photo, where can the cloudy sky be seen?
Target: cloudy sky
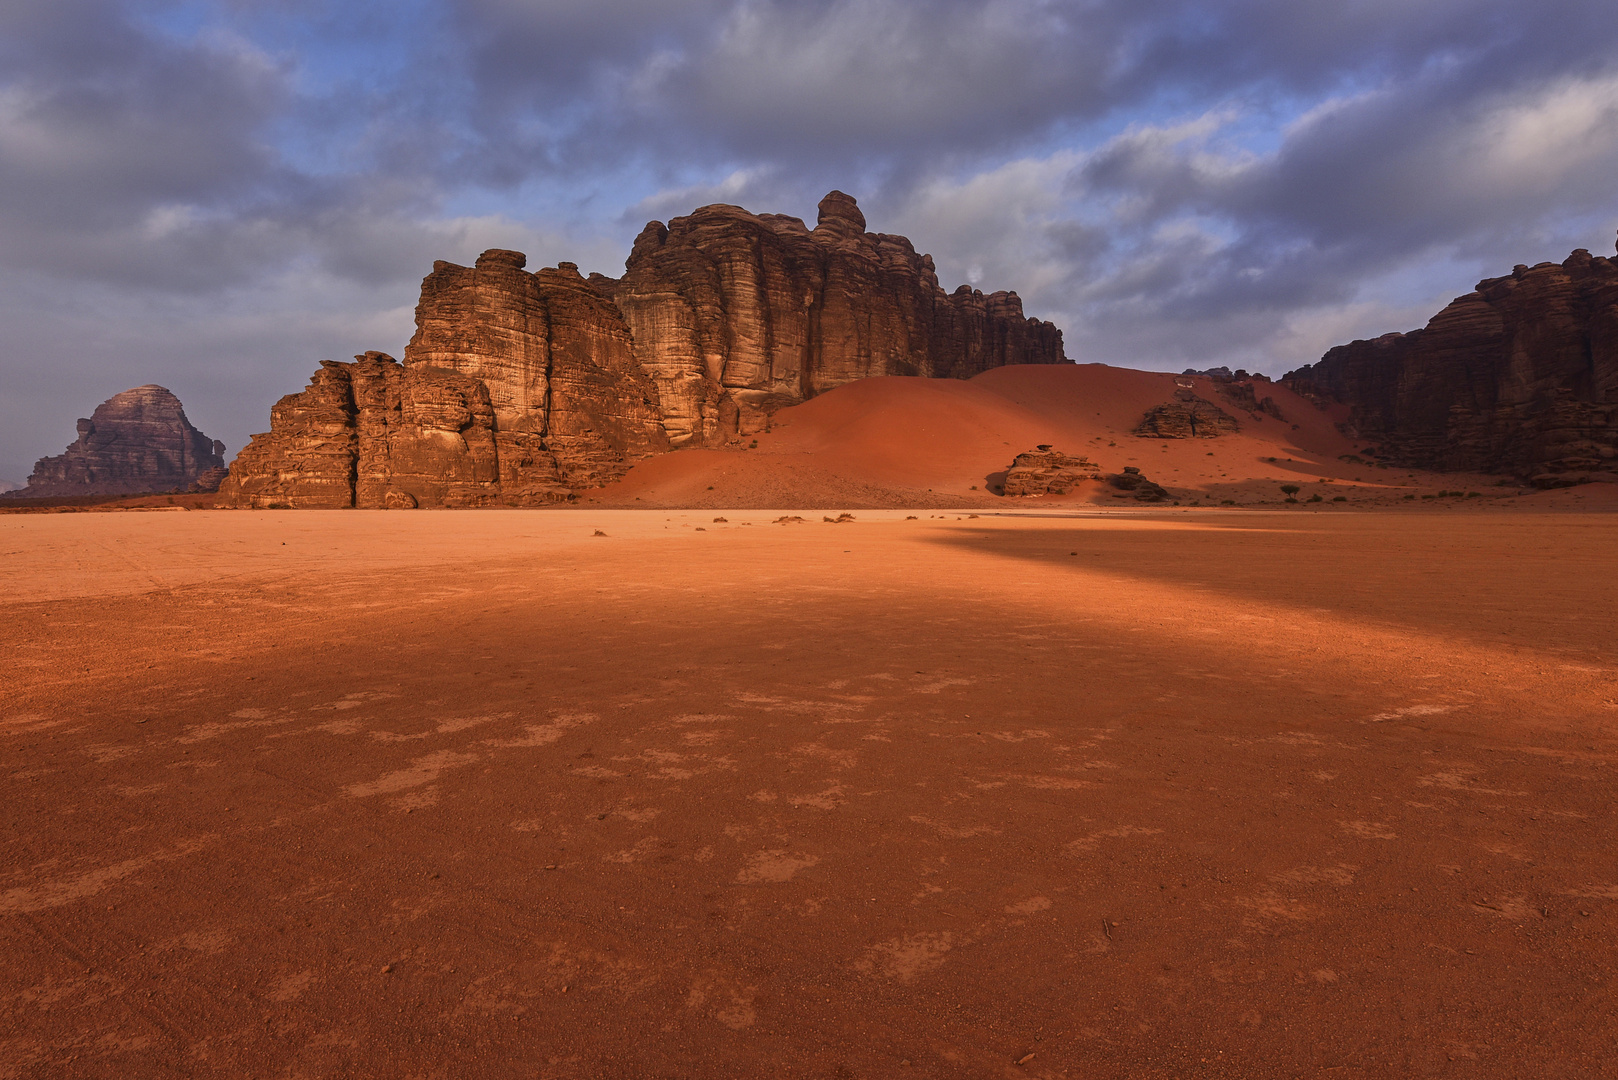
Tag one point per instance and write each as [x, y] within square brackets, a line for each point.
[216, 194]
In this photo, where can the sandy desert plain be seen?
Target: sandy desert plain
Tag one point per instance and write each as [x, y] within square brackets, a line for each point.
[962, 787]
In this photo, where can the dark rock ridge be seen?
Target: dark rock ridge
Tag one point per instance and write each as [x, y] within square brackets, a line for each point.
[1518, 377]
[137, 441]
[1045, 471]
[521, 388]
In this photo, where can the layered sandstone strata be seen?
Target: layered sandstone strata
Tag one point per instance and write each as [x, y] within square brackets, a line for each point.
[1520, 377]
[558, 362]
[737, 314]
[520, 388]
[1187, 416]
[136, 441]
[1045, 471]
[378, 435]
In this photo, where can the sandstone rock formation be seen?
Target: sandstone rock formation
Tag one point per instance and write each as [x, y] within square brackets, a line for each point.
[1519, 377]
[521, 388]
[137, 441]
[1045, 471]
[1132, 482]
[378, 435]
[1186, 417]
[569, 397]
[736, 315]
[1242, 390]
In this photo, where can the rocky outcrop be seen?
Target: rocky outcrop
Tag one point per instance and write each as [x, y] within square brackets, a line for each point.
[1045, 471]
[135, 442]
[1518, 377]
[208, 481]
[375, 434]
[570, 400]
[1187, 416]
[1131, 482]
[736, 315]
[522, 388]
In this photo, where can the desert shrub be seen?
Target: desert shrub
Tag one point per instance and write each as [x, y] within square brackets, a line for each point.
[1290, 489]
[1341, 498]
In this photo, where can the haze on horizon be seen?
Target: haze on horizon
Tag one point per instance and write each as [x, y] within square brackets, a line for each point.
[214, 195]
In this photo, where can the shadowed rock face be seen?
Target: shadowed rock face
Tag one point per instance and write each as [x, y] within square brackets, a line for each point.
[520, 388]
[1520, 377]
[736, 315]
[136, 441]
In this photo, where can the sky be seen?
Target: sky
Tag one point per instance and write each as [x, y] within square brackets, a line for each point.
[215, 195]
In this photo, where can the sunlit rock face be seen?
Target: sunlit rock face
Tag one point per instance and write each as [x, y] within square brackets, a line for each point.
[1518, 377]
[736, 315]
[137, 441]
[523, 388]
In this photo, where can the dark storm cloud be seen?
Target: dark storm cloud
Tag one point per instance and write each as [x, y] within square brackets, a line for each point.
[112, 141]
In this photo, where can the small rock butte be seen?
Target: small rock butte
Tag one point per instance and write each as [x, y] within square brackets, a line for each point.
[135, 442]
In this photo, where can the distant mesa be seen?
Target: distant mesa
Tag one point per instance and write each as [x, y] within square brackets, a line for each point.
[521, 388]
[135, 442]
[1518, 377]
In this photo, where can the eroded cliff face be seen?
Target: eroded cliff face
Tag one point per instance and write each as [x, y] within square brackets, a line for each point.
[1519, 377]
[521, 388]
[136, 441]
[556, 356]
[735, 315]
[375, 434]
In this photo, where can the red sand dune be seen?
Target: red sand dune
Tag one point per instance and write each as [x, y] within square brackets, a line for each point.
[908, 441]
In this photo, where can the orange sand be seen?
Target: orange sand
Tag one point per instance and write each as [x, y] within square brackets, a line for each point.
[1183, 793]
[931, 442]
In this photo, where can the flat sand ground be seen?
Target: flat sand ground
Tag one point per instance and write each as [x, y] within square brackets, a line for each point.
[1179, 793]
